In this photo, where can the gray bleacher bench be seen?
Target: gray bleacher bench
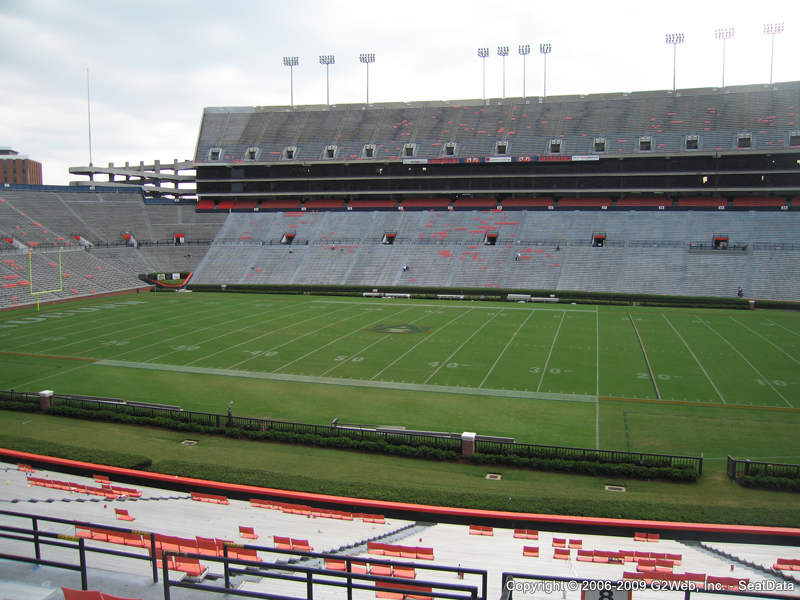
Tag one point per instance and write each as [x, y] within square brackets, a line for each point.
[449, 296]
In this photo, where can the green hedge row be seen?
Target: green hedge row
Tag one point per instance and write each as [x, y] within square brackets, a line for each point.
[391, 446]
[585, 454]
[467, 498]
[768, 482]
[94, 455]
[395, 447]
[590, 467]
[500, 294]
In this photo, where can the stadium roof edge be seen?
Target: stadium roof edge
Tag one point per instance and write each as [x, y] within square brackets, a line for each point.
[507, 100]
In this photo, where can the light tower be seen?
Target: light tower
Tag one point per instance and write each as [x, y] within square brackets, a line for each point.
[367, 58]
[483, 53]
[674, 39]
[291, 62]
[524, 50]
[544, 50]
[327, 60]
[502, 51]
[772, 29]
[723, 34]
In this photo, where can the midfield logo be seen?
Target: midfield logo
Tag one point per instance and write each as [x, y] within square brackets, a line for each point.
[399, 329]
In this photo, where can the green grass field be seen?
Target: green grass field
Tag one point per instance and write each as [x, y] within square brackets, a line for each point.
[645, 379]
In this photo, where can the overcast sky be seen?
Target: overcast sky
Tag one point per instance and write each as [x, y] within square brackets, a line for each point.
[155, 65]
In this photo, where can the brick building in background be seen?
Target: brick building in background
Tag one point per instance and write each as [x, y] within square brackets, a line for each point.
[18, 168]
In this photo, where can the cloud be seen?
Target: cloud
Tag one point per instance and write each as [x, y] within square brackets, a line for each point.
[155, 65]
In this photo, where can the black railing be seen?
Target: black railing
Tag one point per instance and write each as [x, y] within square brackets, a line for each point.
[40, 538]
[224, 421]
[444, 441]
[609, 456]
[277, 570]
[744, 466]
[349, 579]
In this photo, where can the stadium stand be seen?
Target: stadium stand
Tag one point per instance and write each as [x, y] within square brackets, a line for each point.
[667, 253]
[473, 127]
[88, 227]
[387, 548]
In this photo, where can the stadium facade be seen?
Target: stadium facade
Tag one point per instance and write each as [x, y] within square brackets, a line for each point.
[602, 151]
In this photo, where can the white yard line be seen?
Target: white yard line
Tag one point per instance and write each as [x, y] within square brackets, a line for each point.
[214, 325]
[364, 383]
[770, 342]
[503, 351]
[293, 340]
[43, 377]
[549, 354]
[226, 332]
[646, 357]
[103, 325]
[364, 349]
[422, 341]
[784, 328]
[752, 366]
[457, 350]
[228, 348]
[697, 360]
[597, 350]
[341, 337]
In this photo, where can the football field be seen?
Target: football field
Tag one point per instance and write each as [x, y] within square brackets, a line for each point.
[551, 373]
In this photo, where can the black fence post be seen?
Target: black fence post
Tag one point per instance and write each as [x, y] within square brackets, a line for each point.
[82, 559]
[505, 591]
[36, 548]
[349, 567]
[165, 575]
[153, 559]
[309, 586]
[225, 567]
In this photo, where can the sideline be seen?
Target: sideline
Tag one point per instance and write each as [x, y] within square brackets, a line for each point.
[387, 385]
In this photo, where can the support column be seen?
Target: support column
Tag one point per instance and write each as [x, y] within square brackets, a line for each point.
[468, 444]
[45, 400]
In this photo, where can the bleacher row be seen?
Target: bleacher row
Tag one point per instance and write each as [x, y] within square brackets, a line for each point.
[81, 274]
[188, 525]
[472, 127]
[517, 203]
[310, 511]
[644, 252]
[52, 218]
[46, 222]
